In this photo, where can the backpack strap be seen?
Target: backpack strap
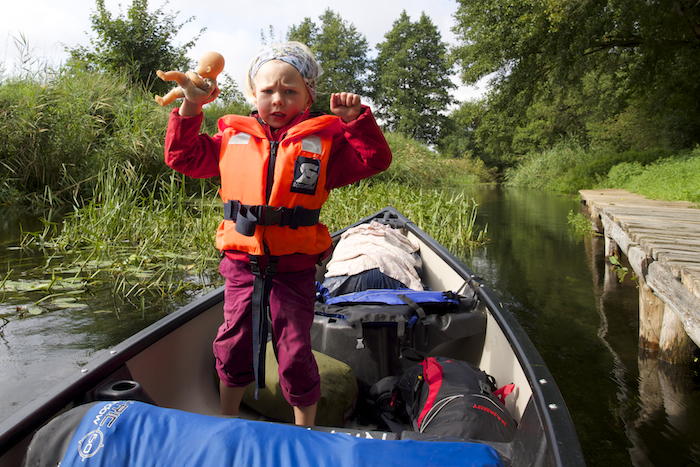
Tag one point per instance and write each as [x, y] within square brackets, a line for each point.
[384, 398]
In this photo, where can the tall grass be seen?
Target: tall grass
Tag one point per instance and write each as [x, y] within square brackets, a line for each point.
[415, 164]
[95, 143]
[58, 130]
[568, 168]
[675, 179]
[137, 235]
[140, 236]
[447, 216]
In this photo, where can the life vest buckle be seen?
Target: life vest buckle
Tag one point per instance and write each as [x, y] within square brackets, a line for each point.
[295, 220]
[273, 216]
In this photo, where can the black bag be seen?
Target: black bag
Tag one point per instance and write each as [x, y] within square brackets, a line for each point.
[451, 398]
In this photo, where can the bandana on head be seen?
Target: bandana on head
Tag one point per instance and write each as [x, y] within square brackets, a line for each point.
[295, 56]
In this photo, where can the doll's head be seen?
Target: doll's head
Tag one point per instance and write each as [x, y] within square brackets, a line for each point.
[295, 54]
[210, 65]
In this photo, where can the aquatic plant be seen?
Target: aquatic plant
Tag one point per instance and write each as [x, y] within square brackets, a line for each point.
[447, 216]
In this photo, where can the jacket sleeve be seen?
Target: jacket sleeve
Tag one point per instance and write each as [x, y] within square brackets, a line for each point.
[359, 151]
[193, 154]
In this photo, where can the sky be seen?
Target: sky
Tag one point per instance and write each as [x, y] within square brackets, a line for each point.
[233, 27]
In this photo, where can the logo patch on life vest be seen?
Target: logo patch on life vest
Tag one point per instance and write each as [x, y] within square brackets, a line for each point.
[306, 171]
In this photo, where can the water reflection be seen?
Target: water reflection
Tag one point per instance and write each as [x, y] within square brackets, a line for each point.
[36, 351]
[628, 408]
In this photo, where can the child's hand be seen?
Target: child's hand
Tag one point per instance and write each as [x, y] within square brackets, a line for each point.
[346, 106]
[190, 108]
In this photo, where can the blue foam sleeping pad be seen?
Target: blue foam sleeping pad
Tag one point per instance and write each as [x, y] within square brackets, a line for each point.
[130, 433]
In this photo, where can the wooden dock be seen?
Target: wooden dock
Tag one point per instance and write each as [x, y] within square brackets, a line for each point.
[661, 241]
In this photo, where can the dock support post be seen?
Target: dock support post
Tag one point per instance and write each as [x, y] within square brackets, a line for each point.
[651, 314]
[674, 344]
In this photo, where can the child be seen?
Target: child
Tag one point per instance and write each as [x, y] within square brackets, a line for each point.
[277, 167]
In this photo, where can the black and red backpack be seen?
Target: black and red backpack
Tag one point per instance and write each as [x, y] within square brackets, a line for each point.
[449, 398]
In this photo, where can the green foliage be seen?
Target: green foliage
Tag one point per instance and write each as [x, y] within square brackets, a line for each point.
[447, 217]
[569, 167]
[137, 235]
[551, 169]
[672, 179]
[460, 134]
[596, 168]
[620, 270]
[580, 223]
[138, 43]
[621, 173]
[411, 84]
[58, 131]
[229, 102]
[619, 73]
[341, 51]
[415, 165]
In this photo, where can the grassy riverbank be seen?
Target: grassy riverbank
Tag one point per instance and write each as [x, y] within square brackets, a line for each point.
[654, 173]
[146, 239]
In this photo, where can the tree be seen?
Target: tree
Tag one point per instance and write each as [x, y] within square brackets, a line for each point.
[139, 43]
[411, 82]
[542, 53]
[341, 51]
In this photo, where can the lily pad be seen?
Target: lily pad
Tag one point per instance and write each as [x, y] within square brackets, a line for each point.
[68, 302]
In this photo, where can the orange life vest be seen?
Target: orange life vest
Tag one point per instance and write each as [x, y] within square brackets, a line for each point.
[263, 176]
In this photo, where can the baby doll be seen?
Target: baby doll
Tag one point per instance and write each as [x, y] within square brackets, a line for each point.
[194, 85]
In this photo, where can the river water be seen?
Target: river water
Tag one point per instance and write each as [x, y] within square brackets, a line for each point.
[629, 408]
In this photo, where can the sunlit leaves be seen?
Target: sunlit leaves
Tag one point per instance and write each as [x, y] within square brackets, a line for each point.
[341, 51]
[411, 81]
[138, 42]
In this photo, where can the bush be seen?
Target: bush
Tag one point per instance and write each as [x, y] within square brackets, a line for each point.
[415, 164]
[549, 170]
[568, 167]
[674, 179]
[620, 173]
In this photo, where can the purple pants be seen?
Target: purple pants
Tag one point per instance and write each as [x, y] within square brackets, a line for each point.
[292, 310]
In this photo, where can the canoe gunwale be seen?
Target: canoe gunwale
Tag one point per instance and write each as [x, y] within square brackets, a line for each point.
[37, 412]
[549, 402]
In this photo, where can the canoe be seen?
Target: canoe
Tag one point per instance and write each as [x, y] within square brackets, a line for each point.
[170, 365]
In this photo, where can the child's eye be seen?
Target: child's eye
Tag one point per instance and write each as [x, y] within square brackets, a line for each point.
[290, 91]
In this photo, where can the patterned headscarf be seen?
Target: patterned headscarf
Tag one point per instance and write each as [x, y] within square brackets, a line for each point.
[297, 55]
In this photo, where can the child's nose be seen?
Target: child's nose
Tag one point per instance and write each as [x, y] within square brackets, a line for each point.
[277, 98]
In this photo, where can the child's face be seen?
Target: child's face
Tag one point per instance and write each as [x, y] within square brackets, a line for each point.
[280, 93]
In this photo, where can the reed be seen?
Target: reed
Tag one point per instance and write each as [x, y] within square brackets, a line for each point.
[59, 129]
[449, 217]
[569, 167]
[136, 235]
[415, 164]
[671, 180]
[139, 236]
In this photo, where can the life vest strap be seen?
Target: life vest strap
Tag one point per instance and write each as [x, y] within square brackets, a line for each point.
[247, 217]
[262, 286]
